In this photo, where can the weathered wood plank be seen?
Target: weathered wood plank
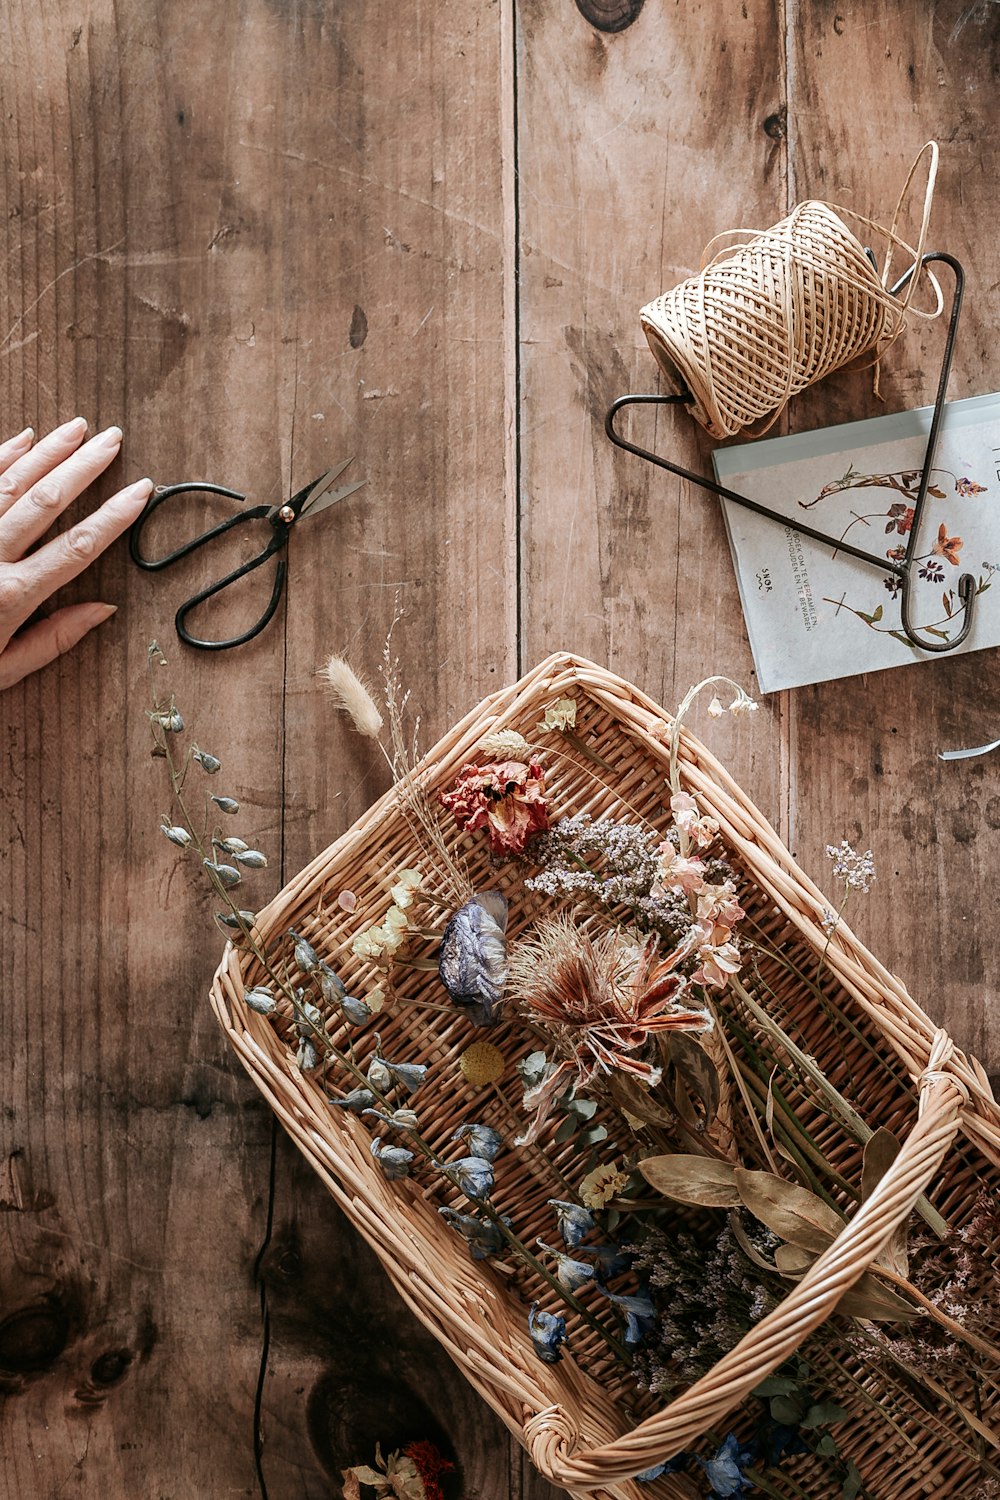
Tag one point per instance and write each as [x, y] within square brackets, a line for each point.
[870, 84]
[634, 150]
[260, 242]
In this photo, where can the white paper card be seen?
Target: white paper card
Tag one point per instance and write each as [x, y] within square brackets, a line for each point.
[813, 615]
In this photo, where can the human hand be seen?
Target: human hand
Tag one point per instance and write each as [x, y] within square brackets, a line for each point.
[38, 481]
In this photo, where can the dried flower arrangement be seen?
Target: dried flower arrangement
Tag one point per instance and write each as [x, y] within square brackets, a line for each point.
[649, 1113]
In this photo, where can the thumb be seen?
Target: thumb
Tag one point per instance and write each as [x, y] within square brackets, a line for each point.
[43, 642]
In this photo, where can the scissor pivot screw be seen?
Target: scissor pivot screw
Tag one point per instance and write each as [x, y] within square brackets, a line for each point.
[286, 514]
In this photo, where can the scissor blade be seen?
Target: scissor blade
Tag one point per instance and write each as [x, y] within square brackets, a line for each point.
[320, 501]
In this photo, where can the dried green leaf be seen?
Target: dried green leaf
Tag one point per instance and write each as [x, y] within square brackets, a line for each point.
[822, 1413]
[794, 1213]
[693, 1179]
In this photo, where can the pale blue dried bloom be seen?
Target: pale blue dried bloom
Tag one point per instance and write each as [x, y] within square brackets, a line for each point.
[356, 1101]
[570, 1273]
[480, 1140]
[168, 719]
[611, 1260]
[307, 1056]
[225, 874]
[394, 1160]
[356, 1011]
[547, 1332]
[471, 1174]
[176, 834]
[379, 1076]
[410, 1075]
[725, 1471]
[640, 1315]
[574, 1222]
[331, 987]
[252, 858]
[482, 1236]
[261, 1000]
[226, 804]
[473, 958]
[232, 919]
[399, 1119]
[209, 763]
[306, 956]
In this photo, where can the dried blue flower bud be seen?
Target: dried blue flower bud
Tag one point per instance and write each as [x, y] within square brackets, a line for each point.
[332, 988]
[570, 1273]
[176, 835]
[574, 1222]
[471, 1175]
[640, 1315]
[225, 874]
[473, 958]
[547, 1332]
[252, 858]
[226, 804]
[399, 1119]
[356, 1011]
[307, 1056]
[410, 1075]
[230, 846]
[482, 1236]
[394, 1160]
[232, 919]
[168, 719]
[611, 1260]
[480, 1140]
[208, 763]
[379, 1076]
[357, 1100]
[261, 1000]
[306, 956]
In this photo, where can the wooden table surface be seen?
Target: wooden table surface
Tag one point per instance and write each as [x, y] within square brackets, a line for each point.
[264, 236]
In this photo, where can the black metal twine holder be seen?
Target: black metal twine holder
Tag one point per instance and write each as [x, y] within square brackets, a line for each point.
[900, 569]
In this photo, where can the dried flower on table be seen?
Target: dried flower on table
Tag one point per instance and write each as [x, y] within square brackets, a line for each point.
[481, 1063]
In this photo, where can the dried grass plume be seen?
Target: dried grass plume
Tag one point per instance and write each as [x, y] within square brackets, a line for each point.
[350, 694]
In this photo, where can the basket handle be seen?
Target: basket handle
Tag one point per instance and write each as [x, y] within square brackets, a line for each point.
[551, 1435]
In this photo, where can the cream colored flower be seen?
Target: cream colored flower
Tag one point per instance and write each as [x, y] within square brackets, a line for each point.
[560, 715]
[408, 882]
[742, 704]
[715, 709]
[601, 1185]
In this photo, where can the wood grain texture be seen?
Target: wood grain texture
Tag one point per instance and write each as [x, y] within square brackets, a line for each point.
[264, 239]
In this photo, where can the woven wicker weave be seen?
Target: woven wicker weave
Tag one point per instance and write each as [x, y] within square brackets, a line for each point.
[582, 1420]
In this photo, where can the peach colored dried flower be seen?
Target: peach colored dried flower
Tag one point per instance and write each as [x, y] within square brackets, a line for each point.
[507, 798]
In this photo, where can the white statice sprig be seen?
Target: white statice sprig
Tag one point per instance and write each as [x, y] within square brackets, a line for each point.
[856, 870]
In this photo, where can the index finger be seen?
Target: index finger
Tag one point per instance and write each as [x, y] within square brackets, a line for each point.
[50, 567]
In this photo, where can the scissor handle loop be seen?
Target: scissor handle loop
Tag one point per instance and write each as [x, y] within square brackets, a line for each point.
[167, 492]
[223, 583]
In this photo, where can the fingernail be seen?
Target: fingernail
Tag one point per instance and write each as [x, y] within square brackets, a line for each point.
[111, 437]
[23, 439]
[98, 613]
[141, 490]
[74, 429]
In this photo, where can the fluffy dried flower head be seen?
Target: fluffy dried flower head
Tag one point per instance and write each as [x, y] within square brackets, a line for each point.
[350, 694]
[506, 744]
[856, 870]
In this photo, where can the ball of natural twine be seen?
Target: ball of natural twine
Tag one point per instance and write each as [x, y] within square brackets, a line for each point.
[755, 327]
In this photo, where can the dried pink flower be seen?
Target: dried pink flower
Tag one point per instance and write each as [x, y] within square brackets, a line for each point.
[507, 798]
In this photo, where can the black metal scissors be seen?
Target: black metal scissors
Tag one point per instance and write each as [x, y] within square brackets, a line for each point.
[308, 502]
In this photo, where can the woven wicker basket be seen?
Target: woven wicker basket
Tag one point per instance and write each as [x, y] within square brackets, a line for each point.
[581, 1420]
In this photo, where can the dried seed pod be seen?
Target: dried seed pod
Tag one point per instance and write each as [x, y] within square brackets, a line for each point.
[226, 804]
[252, 858]
[332, 988]
[233, 921]
[307, 1056]
[356, 1011]
[305, 954]
[209, 764]
[176, 834]
[261, 1000]
[230, 846]
[226, 875]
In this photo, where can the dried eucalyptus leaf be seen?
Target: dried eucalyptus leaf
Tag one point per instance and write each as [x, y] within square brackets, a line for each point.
[693, 1179]
[792, 1261]
[630, 1095]
[694, 1071]
[880, 1153]
[792, 1212]
[743, 1240]
[869, 1299]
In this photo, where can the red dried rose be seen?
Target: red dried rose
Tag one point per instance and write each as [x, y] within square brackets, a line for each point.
[430, 1464]
[506, 797]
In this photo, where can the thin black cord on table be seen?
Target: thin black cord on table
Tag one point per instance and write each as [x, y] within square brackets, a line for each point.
[265, 1317]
